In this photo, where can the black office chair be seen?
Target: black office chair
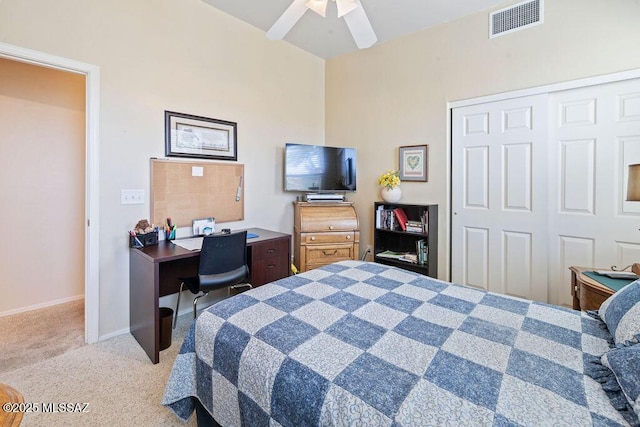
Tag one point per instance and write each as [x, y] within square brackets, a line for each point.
[223, 264]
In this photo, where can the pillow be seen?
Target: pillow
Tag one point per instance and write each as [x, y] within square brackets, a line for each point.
[621, 313]
[624, 362]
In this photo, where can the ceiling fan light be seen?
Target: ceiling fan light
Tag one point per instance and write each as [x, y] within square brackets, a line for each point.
[345, 6]
[318, 6]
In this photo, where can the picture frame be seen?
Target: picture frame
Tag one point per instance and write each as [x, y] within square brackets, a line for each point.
[414, 163]
[199, 137]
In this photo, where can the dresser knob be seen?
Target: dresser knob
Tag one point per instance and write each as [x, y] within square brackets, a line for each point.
[331, 227]
[348, 237]
[313, 237]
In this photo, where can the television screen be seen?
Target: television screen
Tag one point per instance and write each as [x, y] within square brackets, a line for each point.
[318, 168]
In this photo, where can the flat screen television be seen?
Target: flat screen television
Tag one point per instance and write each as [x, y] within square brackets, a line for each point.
[319, 169]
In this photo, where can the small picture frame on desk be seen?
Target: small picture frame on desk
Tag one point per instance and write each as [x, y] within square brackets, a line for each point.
[199, 137]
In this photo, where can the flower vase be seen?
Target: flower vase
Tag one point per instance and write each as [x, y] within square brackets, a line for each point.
[391, 195]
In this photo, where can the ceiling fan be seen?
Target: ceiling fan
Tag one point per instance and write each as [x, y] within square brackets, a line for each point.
[351, 10]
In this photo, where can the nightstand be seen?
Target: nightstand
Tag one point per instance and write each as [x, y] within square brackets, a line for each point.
[587, 293]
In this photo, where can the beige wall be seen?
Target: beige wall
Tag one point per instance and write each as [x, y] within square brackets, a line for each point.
[185, 56]
[396, 93]
[42, 146]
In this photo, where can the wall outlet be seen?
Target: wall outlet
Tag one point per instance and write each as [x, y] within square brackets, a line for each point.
[131, 197]
[366, 252]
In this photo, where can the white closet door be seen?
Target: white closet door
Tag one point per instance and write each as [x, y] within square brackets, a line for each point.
[499, 197]
[594, 134]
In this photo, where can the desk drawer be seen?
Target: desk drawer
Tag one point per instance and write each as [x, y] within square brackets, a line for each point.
[269, 270]
[271, 249]
[270, 260]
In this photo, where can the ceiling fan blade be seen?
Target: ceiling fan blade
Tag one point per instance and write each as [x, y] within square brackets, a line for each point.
[360, 27]
[288, 19]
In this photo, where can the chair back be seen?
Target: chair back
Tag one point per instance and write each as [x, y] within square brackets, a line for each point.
[223, 258]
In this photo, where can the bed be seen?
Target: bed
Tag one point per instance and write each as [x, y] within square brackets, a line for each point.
[361, 343]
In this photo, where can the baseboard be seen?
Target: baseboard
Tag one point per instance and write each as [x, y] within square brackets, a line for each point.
[187, 310]
[41, 305]
[170, 301]
[114, 334]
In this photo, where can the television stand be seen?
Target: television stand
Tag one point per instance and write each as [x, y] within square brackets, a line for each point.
[324, 197]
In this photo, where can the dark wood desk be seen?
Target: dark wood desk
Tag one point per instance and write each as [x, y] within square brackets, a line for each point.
[154, 272]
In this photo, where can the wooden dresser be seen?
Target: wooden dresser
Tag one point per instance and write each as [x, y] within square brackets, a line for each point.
[324, 232]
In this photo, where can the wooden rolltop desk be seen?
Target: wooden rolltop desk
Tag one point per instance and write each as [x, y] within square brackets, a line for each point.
[324, 232]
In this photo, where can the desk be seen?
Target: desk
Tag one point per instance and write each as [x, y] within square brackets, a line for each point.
[587, 293]
[154, 272]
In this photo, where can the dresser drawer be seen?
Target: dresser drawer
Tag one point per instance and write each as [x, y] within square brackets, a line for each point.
[326, 254]
[270, 249]
[334, 237]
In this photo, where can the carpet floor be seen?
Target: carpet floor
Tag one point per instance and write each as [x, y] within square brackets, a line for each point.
[33, 336]
[114, 377]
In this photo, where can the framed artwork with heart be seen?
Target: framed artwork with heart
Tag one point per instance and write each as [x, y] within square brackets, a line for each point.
[413, 163]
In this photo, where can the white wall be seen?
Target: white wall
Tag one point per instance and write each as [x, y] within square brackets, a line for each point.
[185, 56]
[396, 93]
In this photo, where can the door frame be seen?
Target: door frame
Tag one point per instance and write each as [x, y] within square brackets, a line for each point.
[92, 200]
[554, 87]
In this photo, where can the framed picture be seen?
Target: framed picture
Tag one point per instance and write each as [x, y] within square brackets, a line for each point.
[186, 135]
[413, 163]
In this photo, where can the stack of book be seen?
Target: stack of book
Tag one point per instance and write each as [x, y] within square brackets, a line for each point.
[414, 227]
[400, 256]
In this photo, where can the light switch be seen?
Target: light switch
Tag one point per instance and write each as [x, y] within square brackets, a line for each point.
[131, 197]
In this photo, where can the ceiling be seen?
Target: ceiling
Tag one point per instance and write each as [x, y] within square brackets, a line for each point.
[329, 37]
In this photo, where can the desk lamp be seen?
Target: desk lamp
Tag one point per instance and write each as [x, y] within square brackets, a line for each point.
[633, 195]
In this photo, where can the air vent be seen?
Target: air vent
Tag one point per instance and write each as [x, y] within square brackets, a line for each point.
[517, 17]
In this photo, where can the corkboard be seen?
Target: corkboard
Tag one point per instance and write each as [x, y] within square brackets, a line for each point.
[177, 191]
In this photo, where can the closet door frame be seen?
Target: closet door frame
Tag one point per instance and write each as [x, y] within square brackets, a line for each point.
[546, 89]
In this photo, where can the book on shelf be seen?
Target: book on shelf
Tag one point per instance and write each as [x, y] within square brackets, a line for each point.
[409, 257]
[400, 256]
[390, 254]
[401, 217]
[386, 219]
[424, 219]
[422, 251]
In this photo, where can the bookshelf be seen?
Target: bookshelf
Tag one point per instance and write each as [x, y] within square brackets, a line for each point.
[395, 245]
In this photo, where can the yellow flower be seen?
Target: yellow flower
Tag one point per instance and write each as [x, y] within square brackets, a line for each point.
[389, 179]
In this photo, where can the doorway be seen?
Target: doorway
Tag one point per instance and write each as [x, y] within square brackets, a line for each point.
[42, 144]
[91, 178]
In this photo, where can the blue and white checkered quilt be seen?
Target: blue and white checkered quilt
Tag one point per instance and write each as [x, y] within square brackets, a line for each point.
[360, 343]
